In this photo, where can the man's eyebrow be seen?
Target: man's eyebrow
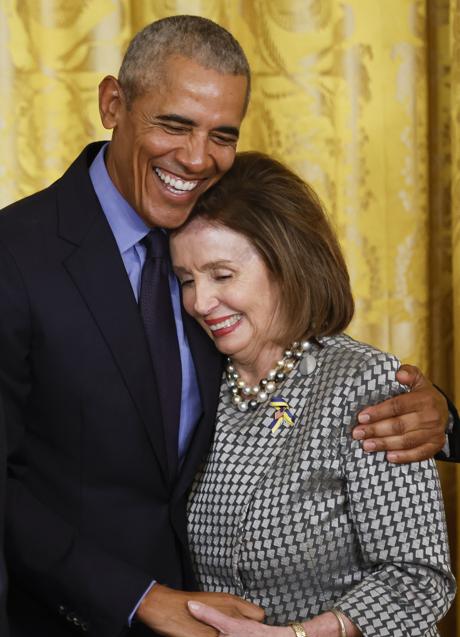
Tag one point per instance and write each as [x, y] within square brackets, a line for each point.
[180, 119]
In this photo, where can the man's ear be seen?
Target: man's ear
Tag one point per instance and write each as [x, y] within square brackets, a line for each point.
[111, 101]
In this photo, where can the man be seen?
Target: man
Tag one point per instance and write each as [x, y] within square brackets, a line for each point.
[96, 533]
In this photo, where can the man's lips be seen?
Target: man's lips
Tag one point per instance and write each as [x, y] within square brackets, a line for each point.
[174, 183]
[224, 324]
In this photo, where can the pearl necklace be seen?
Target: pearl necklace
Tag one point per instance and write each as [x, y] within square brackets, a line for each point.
[248, 397]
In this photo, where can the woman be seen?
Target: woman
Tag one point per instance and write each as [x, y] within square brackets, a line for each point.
[288, 511]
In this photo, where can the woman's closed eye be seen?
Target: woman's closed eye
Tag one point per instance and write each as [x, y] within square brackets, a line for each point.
[186, 282]
[222, 275]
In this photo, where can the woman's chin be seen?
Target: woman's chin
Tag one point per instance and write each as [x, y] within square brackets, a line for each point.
[225, 344]
[223, 348]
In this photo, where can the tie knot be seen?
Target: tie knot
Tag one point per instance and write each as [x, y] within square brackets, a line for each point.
[156, 243]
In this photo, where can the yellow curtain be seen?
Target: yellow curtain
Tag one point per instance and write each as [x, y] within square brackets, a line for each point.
[362, 97]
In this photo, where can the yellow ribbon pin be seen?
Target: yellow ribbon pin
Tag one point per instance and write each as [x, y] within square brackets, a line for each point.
[282, 414]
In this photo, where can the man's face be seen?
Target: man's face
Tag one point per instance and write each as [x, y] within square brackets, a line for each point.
[175, 141]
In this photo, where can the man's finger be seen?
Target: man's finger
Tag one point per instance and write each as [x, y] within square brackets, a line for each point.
[390, 408]
[396, 426]
[411, 455]
[410, 440]
[412, 377]
[211, 616]
[391, 427]
[400, 405]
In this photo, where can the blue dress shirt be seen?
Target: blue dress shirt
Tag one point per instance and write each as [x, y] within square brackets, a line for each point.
[129, 230]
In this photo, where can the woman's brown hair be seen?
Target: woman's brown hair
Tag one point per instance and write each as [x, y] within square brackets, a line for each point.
[283, 218]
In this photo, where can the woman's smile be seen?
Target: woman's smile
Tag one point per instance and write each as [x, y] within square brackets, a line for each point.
[224, 325]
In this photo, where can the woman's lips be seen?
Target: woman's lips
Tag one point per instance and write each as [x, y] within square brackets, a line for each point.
[223, 325]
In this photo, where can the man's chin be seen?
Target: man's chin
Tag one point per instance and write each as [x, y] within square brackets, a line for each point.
[166, 217]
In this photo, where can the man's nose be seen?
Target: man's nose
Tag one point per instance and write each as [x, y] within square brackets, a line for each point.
[194, 155]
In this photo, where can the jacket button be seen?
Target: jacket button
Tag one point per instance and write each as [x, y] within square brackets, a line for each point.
[84, 626]
[62, 609]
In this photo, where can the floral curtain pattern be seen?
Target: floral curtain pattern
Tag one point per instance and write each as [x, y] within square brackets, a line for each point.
[361, 98]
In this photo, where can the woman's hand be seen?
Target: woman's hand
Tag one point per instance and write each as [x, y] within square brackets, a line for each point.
[230, 627]
[324, 625]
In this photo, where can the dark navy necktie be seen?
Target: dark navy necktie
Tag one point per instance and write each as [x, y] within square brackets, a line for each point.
[157, 314]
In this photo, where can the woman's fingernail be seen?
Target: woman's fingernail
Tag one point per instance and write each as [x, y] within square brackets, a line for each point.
[362, 418]
[358, 434]
[369, 445]
[194, 605]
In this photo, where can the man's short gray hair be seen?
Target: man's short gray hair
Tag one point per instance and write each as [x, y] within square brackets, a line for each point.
[192, 37]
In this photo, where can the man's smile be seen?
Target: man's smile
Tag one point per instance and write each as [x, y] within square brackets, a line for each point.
[174, 183]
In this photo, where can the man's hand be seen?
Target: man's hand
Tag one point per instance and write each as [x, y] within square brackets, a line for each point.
[165, 611]
[411, 427]
[232, 627]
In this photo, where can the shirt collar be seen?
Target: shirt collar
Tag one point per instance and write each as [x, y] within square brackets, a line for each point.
[127, 227]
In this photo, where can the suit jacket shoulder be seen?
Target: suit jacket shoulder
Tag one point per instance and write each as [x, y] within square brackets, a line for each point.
[20, 221]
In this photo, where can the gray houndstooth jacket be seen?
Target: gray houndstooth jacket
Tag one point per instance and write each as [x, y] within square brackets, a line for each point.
[302, 520]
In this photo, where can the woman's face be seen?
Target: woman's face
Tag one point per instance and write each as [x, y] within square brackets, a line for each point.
[228, 289]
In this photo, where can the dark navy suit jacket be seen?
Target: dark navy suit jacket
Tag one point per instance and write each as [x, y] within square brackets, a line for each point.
[93, 510]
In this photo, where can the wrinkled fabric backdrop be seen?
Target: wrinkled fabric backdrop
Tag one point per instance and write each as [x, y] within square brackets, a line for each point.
[361, 97]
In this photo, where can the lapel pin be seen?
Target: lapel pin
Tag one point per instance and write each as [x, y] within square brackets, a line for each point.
[282, 414]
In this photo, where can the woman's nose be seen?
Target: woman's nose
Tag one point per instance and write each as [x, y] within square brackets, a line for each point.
[205, 300]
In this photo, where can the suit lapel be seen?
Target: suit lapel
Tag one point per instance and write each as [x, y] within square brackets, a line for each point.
[208, 364]
[97, 270]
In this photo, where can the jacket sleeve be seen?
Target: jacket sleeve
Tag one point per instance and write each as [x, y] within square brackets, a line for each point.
[77, 580]
[454, 434]
[399, 517]
[451, 451]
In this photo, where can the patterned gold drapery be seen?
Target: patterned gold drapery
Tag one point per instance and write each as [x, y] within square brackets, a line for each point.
[361, 97]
